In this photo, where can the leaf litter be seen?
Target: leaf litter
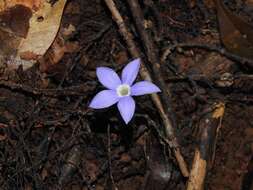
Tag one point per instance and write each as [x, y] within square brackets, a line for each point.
[49, 139]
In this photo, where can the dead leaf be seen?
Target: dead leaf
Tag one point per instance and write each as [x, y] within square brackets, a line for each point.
[20, 24]
[32, 4]
[69, 30]
[249, 3]
[236, 34]
[42, 32]
[209, 3]
[27, 30]
[56, 52]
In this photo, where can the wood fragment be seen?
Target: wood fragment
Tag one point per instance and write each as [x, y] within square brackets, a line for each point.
[205, 151]
[71, 164]
[134, 51]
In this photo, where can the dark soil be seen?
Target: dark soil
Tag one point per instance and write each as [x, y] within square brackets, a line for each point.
[51, 140]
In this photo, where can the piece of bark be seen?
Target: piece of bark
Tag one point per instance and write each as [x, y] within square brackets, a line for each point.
[204, 154]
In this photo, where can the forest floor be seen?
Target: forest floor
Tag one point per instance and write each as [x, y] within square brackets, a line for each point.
[50, 139]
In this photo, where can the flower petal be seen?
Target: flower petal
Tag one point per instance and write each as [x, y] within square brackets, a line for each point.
[144, 87]
[130, 72]
[104, 99]
[126, 108]
[108, 77]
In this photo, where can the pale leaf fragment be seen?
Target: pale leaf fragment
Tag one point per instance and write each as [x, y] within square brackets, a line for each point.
[25, 43]
[44, 26]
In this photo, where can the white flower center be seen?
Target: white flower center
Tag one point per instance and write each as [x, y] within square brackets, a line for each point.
[123, 90]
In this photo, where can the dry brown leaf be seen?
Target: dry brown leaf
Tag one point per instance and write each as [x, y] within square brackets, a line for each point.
[69, 30]
[26, 36]
[249, 3]
[32, 4]
[209, 3]
[236, 34]
[42, 33]
[56, 52]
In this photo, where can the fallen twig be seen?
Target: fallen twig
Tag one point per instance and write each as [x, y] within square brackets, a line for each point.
[150, 48]
[146, 76]
[69, 91]
[243, 61]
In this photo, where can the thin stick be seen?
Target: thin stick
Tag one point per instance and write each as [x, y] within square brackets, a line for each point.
[68, 91]
[243, 61]
[146, 76]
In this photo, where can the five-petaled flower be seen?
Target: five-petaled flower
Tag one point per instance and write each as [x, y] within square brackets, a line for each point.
[120, 91]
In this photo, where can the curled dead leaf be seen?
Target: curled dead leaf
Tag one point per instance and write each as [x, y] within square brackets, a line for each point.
[236, 34]
[27, 29]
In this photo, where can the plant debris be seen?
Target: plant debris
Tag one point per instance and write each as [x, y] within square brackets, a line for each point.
[196, 134]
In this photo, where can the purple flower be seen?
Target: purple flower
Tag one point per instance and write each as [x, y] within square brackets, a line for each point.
[120, 91]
